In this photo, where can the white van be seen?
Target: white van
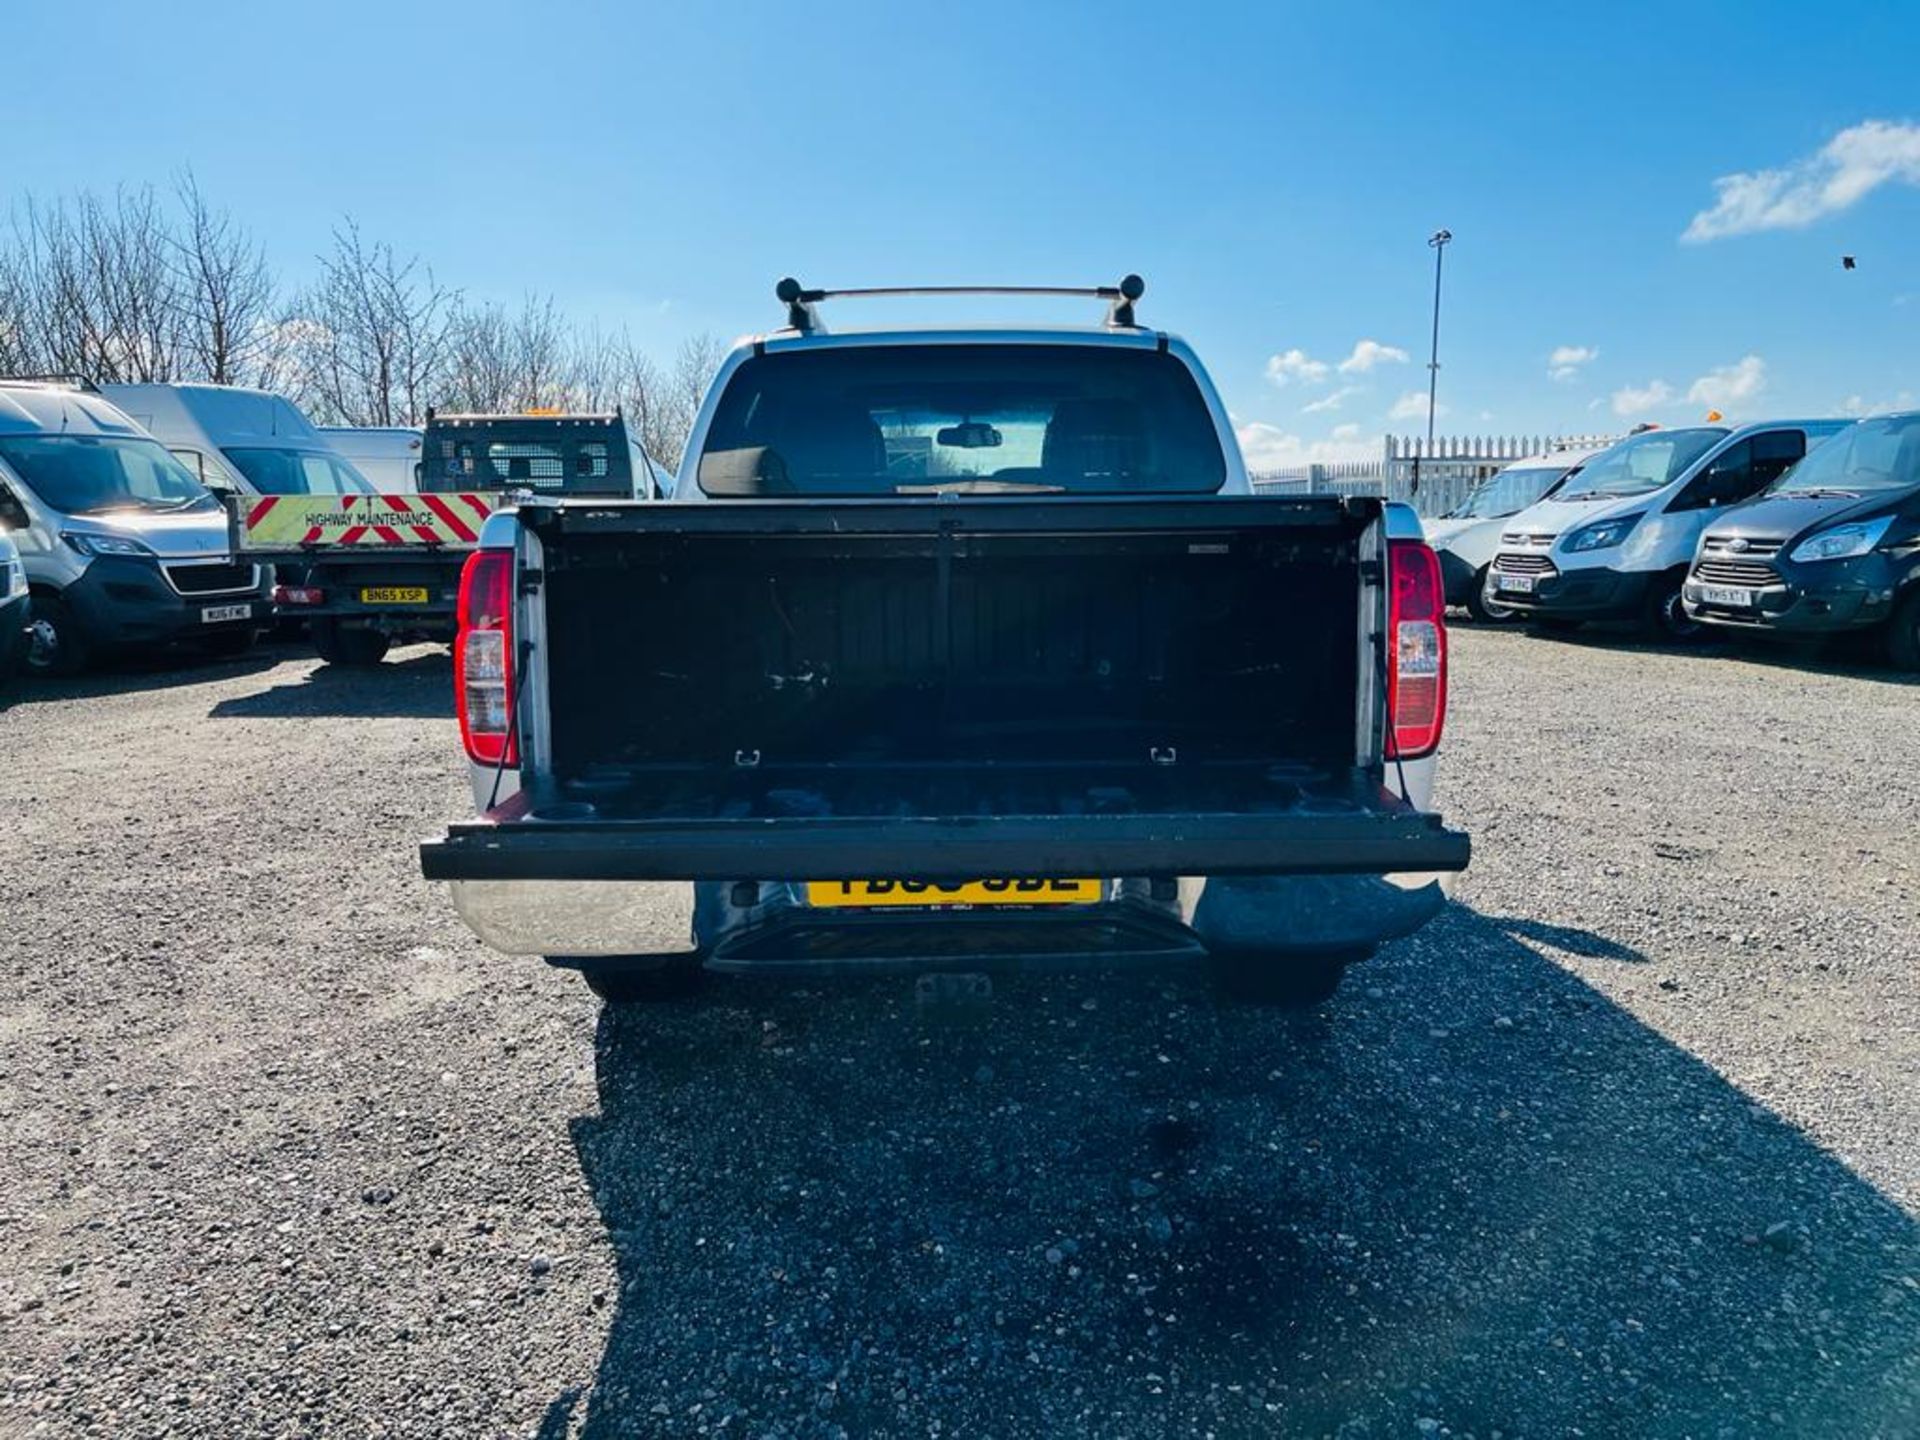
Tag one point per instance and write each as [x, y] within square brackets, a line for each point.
[240, 441]
[1616, 543]
[1467, 539]
[388, 455]
[121, 545]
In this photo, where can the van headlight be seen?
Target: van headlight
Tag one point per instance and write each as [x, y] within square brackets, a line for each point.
[1605, 535]
[89, 544]
[1842, 542]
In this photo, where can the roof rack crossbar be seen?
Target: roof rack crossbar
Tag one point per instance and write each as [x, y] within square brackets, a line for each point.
[802, 316]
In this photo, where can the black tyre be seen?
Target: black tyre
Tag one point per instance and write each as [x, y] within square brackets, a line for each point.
[619, 984]
[1487, 612]
[56, 644]
[1664, 616]
[1275, 977]
[1903, 633]
[355, 645]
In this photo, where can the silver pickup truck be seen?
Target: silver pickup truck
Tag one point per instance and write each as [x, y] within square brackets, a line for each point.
[955, 648]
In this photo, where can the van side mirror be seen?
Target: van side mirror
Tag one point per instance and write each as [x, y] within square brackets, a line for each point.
[13, 515]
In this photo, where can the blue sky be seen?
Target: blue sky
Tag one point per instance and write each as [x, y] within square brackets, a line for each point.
[1273, 170]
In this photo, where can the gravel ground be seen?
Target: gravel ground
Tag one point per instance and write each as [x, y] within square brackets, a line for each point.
[1628, 1143]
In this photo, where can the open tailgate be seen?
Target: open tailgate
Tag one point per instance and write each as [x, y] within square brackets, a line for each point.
[1381, 837]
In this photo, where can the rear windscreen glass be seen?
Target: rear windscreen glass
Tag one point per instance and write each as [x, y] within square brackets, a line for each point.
[976, 419]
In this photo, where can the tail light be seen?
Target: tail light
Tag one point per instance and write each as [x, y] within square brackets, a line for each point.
[299, 595]
[483, 658]
[1417, 669]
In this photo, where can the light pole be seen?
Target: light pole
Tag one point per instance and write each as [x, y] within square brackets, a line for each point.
[1438, 241]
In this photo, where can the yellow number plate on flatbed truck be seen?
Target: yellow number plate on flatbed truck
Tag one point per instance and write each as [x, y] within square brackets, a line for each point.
[393, 595]
[863, 893]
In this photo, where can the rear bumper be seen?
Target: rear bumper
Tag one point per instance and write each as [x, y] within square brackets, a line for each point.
[344, 580]
[129, 602]
[1832, 596]
[1374, 841]
[587, 922]
[1589, 593]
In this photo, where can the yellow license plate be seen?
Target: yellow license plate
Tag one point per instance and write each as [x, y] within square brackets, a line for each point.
[393, 595]
[944, 893]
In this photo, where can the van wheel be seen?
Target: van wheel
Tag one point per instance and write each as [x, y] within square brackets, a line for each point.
[629, 985]
[55, 643]
[1664, 616]
[1903, 634]
[355, 645]
[1277, 977]
[1487, 612]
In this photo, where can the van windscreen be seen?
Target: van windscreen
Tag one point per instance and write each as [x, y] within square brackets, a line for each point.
[95, 474]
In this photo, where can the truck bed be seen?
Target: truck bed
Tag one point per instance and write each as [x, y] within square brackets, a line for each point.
[762, 689]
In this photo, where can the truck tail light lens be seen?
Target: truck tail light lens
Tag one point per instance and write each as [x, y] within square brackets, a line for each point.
[483, 658]
[1417, 669]
[299, 595]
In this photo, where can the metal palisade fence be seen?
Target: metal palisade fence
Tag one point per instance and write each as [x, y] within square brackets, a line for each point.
[1434, 481]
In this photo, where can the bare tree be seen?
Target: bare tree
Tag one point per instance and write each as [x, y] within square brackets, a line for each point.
[224, 290]
[505, 362]
[375, 337]
[88, 289]
[680, 393]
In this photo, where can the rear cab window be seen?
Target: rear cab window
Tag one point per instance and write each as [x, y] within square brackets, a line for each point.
[550, 456]
[910, 419]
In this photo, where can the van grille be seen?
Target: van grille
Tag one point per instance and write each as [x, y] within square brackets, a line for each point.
[1741, 546]
[1523, 564]
[1752, 573]
[221, 579]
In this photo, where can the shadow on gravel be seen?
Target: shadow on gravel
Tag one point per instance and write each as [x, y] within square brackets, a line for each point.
[134, 674]
[1468, 1191]
[1851, 657]
[1583, 943]
[419, 687]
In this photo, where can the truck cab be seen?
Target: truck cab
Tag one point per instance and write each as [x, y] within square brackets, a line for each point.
[541, 454]
[120, 544]
[1617, 542]
[954, 648]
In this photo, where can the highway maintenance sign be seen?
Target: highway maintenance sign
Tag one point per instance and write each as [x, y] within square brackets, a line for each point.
[285, 522]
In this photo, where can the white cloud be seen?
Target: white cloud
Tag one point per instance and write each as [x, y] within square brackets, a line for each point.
[1565, 362]
[1848, 168]
[1730, 385]
[1268, 447]
[1296, 364]
[1332, 400]
[1413, 406]
[1369, 353]
[1857, 406]
[1628, 401]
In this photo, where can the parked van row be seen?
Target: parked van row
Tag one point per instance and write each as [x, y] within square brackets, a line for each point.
[1787, 526]
[154, 514]
[118, 541]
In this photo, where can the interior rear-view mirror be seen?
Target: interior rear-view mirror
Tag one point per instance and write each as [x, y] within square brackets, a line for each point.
[969, 435]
